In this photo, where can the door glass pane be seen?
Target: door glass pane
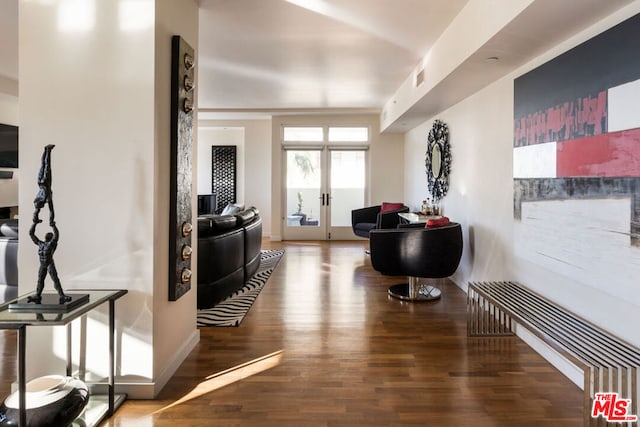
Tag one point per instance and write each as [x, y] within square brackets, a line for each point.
[304, 179]
[347, 185]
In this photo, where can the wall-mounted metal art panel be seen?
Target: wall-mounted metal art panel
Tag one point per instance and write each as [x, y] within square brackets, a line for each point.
[180, 217]
[223, 174]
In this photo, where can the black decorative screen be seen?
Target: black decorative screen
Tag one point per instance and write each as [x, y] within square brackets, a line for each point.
[223, 174]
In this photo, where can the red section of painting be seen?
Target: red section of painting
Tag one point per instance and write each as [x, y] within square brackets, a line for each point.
[615, 154]
[569, 120]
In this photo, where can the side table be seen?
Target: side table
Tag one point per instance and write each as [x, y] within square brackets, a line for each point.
[101, 406]
[416, 218]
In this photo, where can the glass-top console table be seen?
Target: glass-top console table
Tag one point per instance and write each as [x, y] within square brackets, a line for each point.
[99, 406]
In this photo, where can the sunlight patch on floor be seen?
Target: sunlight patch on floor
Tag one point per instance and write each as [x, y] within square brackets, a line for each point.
[230, 376]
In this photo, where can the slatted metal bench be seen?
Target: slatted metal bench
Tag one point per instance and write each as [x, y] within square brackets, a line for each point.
[610, 365]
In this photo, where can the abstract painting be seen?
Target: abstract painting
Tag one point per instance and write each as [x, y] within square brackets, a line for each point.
[576, 162]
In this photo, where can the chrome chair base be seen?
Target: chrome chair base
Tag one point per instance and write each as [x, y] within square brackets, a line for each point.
[414, 291]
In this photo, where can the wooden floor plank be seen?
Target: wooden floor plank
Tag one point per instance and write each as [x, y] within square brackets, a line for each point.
[330, 348]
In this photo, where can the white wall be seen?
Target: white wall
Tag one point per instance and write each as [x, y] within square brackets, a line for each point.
[174, 328]
[9, 116]
[8, 108]
[254, 160]
[9, 189]
[100, 93]
[481, 188]
[386, 169]
[385, 160]
[481, 198]
[212, 136]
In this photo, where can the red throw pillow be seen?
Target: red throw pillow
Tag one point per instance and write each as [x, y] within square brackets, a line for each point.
[439, 222]
[386, 207]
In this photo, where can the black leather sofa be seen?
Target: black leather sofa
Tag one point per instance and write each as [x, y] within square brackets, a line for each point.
[228, 254]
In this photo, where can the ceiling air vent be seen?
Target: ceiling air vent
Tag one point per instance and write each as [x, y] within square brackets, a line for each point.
[419, 77]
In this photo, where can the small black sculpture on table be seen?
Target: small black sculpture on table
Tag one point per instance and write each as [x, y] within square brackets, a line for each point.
[44, 195]
[48, 246]
[46, 249]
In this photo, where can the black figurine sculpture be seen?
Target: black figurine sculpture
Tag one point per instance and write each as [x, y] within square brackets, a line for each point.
[48, 246]
[44, 195]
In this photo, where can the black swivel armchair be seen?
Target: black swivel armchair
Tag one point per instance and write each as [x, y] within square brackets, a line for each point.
[416, 252]
[366, 219]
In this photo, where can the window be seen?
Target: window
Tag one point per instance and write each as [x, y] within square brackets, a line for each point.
[348, 134]
[326, 134]
[303, 134]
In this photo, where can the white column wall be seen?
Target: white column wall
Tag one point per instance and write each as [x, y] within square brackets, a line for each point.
[257, 166]
[174, 326]
[92, 83]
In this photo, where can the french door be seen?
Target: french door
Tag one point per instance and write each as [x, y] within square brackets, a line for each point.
[322, 186]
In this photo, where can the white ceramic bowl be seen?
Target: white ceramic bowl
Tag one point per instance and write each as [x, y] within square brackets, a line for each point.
[51, 401]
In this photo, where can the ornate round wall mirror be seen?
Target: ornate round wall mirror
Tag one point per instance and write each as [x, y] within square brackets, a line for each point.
[438, 160]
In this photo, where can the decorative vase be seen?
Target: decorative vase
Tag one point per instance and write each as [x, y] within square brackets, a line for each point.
[51, 401]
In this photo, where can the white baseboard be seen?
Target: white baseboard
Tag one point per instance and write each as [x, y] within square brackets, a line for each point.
[568, 369]
[146, 391]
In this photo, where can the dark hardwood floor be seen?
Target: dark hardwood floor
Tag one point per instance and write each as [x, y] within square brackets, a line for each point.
[324, 345]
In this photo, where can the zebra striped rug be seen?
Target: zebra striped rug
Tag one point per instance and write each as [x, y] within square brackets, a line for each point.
[232, 310]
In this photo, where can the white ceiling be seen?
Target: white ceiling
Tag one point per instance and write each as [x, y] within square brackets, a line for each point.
[286, 56]
[278, 54]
